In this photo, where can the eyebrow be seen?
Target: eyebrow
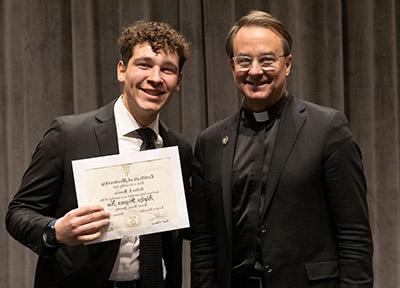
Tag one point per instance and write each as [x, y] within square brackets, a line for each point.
[262, 54]
[150, 59]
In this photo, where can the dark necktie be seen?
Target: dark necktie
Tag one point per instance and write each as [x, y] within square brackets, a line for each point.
[150, 263]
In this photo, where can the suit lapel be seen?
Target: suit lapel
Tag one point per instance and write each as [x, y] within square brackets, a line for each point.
[106, 131]
[106, 134]
[290, 126]
[168, 140]
[228, 140]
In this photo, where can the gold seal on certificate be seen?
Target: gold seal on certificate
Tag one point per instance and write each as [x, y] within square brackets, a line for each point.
[132, 218]
[143, 191]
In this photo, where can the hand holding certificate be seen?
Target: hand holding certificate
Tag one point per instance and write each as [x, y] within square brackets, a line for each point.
[143, 191]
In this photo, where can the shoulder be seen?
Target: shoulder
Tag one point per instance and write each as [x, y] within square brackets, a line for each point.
[311, 108]
[219, 127]
[181, 142]
[87, 119]
[318, 115]
[180, 139]
[66, 130]
[325, 123]
[171, 138]
[174, 138]
[75, 121]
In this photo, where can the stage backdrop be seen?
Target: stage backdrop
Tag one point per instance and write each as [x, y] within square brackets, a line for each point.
[58, 57]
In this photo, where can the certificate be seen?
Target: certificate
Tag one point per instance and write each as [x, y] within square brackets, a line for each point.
[143, 191]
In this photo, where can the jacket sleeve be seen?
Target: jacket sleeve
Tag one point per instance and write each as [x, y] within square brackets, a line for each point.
[346, 188]
[33, 205]
[203, 257]
[186, 159]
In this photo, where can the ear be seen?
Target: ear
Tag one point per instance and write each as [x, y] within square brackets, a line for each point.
[232, 65]
[121, 71]
[179, 82]
[288, 64]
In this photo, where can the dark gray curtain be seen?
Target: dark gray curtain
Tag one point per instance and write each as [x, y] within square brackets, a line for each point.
[58, 57]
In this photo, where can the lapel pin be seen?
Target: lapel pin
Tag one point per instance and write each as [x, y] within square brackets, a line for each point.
[225, 140]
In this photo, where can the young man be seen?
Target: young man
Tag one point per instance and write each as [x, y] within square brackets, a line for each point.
[279, 194]
[43, 214]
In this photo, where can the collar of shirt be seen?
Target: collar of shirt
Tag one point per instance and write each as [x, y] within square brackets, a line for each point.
[261, 116]
[126, 124]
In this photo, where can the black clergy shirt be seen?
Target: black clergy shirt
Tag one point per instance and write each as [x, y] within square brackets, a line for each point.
[253, 152]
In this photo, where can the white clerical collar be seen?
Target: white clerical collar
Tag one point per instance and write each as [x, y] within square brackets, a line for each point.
[261, 116]
[126, 123]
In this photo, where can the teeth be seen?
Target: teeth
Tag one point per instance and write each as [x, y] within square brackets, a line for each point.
[257, 84]
[152, 92]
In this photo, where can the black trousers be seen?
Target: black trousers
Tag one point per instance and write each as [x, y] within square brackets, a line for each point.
[123, 284]
[247, 282]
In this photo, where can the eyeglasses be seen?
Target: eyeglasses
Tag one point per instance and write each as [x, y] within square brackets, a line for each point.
[265, 61]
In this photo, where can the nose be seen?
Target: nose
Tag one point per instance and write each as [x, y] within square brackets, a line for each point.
[255, 68]
[155, 76]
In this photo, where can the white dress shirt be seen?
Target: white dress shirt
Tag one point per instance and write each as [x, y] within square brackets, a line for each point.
[126, 266]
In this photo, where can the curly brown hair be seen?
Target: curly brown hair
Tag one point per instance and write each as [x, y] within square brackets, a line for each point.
[160, 36]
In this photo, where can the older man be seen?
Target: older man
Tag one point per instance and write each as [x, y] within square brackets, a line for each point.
[279, 193]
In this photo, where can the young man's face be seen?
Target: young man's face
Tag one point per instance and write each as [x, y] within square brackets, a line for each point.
[149, 80]
[262, 84]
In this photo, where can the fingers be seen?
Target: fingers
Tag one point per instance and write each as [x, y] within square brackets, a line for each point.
[82, 224]
[86, 210]
[92, 227]
[87, 214]
[93, 217]
[90, 237]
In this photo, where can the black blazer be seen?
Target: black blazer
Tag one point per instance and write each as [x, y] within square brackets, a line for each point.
[314, 229]
[47, 191]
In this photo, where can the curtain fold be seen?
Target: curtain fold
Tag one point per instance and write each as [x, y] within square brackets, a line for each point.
[59, 57]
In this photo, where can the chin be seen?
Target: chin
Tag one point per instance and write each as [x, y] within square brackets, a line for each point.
[152, 109]
[259, 95]
[259, 102]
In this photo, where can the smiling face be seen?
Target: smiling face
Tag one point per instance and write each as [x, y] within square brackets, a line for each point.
[261, 87]
[149, 81]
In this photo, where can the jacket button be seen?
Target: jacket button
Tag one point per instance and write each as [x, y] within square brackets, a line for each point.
[268, 268]
[263, 229]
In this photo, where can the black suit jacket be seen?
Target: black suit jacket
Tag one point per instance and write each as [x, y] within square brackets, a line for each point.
[47, 191]
[314, 229]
